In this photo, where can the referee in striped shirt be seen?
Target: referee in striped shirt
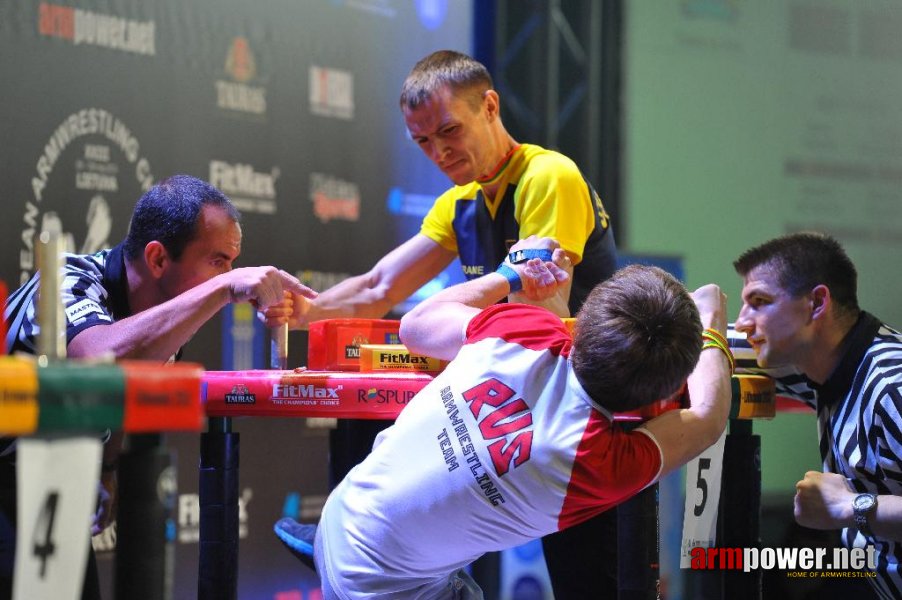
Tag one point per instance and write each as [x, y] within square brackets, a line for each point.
[801, 317]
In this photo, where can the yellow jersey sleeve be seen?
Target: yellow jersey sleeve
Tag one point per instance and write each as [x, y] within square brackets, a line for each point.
[553, 200]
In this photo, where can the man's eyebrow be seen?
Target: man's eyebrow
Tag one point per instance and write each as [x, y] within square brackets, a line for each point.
[756, 291]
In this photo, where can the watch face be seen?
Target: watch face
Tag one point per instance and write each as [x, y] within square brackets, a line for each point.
[863, 502]
[517, 257]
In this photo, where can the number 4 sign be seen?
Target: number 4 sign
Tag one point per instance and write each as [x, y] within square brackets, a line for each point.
[57, 494]
[702, 497]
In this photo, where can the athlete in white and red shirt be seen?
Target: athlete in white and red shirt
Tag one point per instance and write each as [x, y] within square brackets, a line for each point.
[506, 445]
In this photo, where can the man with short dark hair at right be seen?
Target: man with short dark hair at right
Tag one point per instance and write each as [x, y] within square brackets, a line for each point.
[801, 316]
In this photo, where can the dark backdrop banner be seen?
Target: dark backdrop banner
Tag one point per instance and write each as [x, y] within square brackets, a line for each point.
[291, 108]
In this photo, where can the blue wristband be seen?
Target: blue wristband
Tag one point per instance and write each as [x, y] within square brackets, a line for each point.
[512, 278]
[516, 257]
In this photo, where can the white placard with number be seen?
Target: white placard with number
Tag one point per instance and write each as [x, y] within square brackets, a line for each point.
[57, 495]
[703, 475]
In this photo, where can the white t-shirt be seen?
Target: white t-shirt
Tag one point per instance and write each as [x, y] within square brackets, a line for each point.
[503, 447]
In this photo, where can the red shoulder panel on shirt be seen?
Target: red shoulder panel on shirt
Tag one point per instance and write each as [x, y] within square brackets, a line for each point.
[529, 326]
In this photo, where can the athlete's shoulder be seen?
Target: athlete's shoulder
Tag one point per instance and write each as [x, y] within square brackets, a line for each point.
[540, 160]
[532, 327]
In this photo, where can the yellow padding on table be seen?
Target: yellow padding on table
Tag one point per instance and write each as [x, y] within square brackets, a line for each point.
[18, 396]
[754, 397]
[570, 323]
[396, 357]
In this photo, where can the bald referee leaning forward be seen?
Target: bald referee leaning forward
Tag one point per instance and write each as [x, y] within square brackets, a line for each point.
[143, 299]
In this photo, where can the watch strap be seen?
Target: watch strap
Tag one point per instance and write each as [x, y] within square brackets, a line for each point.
[513, 278]
[861, 516]
[519, 256]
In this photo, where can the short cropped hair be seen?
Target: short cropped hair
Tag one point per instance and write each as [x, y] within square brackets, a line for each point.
[168, 213]
[801, 261]
[637, 338]
[443, 68]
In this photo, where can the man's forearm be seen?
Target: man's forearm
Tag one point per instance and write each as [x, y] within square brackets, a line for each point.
[393, 279]
[886, 522]
[355, 297]
[435, 327]
[156, 333]
[557, 304]
[709, 390]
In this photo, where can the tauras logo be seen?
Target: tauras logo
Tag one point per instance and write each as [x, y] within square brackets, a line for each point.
[240, 62]
[240, 395]
[238, 94]
[352, 350]
[240, 97]
[250, 190]
[304, 391]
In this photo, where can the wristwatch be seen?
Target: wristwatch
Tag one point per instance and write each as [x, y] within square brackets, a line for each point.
[864, 505]
[515, 258]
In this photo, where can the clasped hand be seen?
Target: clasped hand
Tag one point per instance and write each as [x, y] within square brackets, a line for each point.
[542, 278]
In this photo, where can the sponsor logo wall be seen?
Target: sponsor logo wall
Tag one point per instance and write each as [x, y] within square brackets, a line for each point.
[291, 109]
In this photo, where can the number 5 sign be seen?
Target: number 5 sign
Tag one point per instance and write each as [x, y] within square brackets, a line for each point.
[57, 494]
[702, 497]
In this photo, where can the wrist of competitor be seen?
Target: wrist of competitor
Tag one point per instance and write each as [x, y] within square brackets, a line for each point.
[514, 258]
[711, 338]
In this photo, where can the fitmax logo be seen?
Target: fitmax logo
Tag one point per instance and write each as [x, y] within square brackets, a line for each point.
[304, 391]
[403, 359]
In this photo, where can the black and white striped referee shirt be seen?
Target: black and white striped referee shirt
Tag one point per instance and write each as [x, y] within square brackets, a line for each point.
[859, 413]
[94, 291]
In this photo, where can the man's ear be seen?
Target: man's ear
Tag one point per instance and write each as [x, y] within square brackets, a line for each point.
[156, 258]
[820, 301]
[492, 104]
